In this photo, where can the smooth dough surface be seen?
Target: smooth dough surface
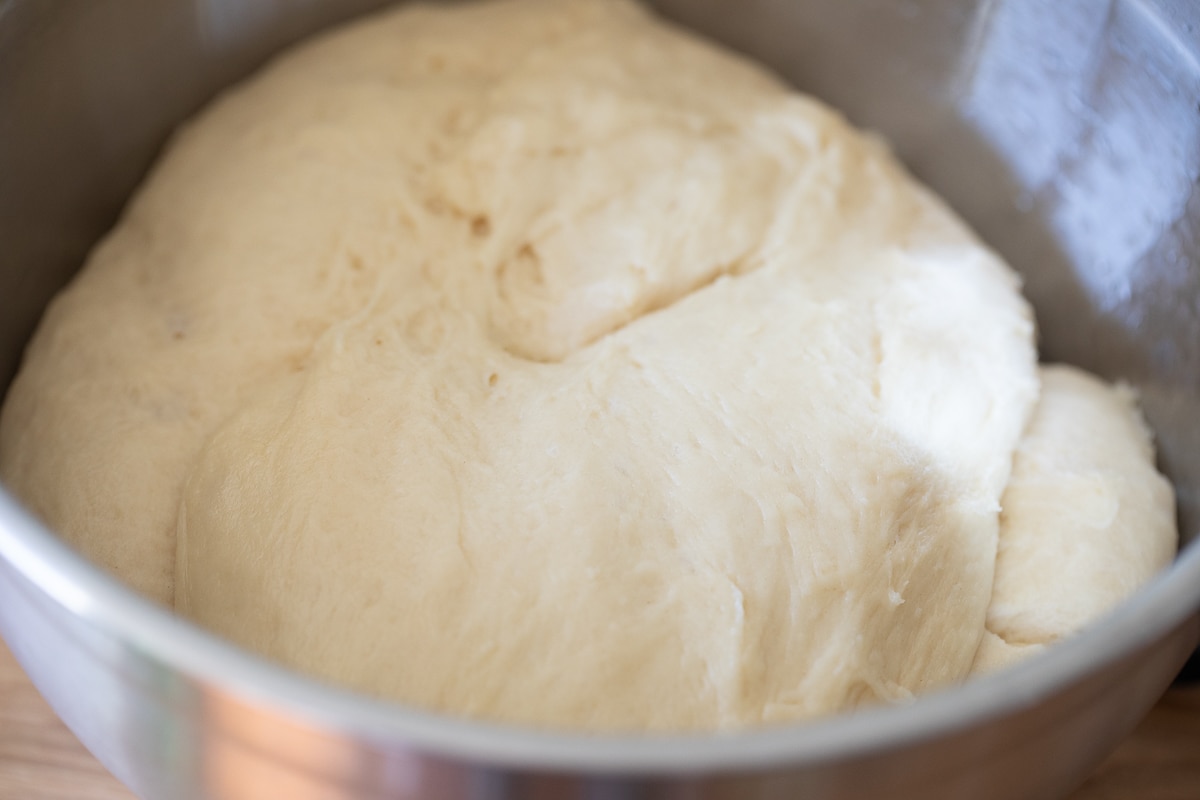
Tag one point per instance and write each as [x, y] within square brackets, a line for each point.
[537, 361]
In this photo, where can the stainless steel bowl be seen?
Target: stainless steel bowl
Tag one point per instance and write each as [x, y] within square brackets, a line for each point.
[1068, 133]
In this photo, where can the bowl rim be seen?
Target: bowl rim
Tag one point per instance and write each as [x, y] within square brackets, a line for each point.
[94, 596]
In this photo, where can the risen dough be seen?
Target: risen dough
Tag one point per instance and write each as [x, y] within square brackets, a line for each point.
[536, 361]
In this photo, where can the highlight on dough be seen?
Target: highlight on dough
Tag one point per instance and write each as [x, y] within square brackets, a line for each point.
[537, 361]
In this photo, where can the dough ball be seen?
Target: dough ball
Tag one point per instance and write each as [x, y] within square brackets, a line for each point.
[655, 403]
[537, 361]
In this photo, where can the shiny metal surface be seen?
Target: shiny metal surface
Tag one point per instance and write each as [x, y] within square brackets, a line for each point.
[1068, 133]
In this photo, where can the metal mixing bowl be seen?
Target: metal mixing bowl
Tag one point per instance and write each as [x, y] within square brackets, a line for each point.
[1068, 133]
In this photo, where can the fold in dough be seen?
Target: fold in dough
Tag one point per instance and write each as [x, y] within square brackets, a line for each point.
[1086, 520]
[536, 361]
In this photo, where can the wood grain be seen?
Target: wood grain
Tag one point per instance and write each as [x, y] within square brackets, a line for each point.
[41, 760]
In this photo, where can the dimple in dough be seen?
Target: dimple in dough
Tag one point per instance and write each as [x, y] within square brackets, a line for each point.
[536, 361]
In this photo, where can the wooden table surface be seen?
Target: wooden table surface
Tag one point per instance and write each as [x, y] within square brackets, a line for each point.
[41, 760]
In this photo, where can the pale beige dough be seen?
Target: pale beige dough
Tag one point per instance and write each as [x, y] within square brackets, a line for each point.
[536, 361]
[1086, 519]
